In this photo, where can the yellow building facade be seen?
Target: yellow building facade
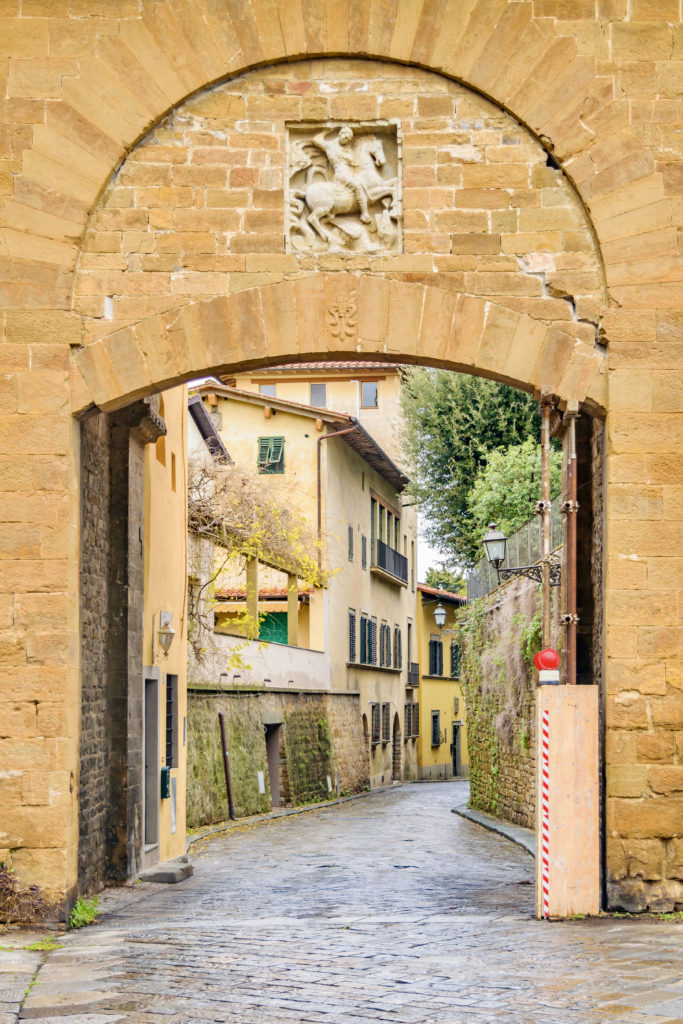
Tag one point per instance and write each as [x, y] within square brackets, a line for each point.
[165, 608]
[368, 391]
[442, 744]
[348, 493]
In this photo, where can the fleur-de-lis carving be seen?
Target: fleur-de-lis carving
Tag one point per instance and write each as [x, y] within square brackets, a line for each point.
[342, 319]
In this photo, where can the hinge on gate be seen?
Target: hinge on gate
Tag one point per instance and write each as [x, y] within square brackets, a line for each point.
[569, 619]
[542, 506]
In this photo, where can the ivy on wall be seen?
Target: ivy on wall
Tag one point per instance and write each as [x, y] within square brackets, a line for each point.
[499, 635]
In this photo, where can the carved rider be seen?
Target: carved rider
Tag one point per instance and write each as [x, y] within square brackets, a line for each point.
[340, 154]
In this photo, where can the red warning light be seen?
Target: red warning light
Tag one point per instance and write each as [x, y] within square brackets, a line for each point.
[546, 659]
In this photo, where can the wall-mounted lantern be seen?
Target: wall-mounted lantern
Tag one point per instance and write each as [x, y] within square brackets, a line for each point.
[165, 632]
[440, 616]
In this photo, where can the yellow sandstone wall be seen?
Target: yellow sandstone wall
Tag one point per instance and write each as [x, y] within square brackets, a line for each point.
[597, 82]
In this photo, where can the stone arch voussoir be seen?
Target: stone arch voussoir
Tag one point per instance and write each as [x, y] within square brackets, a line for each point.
[337, 315]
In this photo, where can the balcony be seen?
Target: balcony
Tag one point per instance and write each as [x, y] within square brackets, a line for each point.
[390, 564]
[413, 674]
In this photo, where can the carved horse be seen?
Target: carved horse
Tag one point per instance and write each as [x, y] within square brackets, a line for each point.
[327, 200]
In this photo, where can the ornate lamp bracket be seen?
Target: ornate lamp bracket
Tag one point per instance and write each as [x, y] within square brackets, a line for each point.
[533, 572]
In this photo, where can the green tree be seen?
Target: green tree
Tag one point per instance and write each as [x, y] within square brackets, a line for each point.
[452, 423]
[509, 485]
[445, 579]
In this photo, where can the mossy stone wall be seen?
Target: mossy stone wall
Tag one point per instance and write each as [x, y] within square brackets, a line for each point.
[499, 635]
[321, 737]
[206, 796]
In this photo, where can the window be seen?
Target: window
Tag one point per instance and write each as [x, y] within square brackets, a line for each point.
[352, 636]
[273, 628]
[368, 394]
[350, 534]
[319, 395]
[364, 552]
[267, 389]
[407, 715]
[398, 648]
[375, 735]
[384, 538]
[436, 728]
[373, 519]
[368, 641]
[386, 722]
[271, 455]
[456, 657]
[171, 721]
[416, 720]
[435, 657]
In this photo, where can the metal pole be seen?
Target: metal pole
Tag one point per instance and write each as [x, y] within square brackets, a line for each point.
[226, 766]
[571, 507]
[546, 403]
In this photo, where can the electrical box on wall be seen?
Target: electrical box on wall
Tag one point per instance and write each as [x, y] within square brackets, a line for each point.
[165, 782]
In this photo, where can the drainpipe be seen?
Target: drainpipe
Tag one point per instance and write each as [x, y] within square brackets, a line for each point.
[544, 508]
[324, 437]
[571, 509]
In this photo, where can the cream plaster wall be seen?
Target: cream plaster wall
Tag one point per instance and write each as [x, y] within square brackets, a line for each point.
[166, 589]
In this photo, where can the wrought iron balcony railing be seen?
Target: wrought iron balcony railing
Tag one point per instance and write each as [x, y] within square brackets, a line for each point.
[390, 561]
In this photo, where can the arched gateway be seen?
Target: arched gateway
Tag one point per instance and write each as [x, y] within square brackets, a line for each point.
[161, 245]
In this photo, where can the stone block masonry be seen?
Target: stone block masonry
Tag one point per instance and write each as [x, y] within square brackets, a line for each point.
[320, 735]
[497, 277]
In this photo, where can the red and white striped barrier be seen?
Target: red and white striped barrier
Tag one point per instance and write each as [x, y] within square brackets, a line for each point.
[545, 812]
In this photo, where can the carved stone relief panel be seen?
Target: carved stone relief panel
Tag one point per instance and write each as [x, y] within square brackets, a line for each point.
[344, 187]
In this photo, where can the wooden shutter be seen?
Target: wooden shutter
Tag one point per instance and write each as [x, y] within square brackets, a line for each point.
[352, 636]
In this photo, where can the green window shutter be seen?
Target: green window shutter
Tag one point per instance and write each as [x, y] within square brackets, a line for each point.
[363, 640]
[271, 455]
[277, 450]
[273, 628]
[263, 452]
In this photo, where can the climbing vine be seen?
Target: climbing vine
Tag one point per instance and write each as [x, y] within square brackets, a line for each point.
[499, 635]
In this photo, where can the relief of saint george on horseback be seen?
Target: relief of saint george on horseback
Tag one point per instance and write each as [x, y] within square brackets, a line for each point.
[335, 179]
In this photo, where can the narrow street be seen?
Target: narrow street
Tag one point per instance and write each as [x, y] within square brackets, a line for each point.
[387, 908]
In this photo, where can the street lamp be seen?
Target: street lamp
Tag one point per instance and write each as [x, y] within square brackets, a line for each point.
[494, 544]
[440, 616]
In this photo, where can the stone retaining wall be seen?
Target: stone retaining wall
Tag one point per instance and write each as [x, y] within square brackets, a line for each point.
[321, 735]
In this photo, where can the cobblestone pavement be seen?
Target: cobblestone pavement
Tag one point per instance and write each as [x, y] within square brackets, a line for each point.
[388, 908]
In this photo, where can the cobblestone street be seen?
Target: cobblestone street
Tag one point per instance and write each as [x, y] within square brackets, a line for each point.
[388, 908]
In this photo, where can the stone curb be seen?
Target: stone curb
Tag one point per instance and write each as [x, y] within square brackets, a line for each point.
[258, 819]
[523, 837]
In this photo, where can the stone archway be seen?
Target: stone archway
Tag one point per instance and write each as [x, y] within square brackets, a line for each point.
[76, 115]
[191, 263]
[289, 321]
